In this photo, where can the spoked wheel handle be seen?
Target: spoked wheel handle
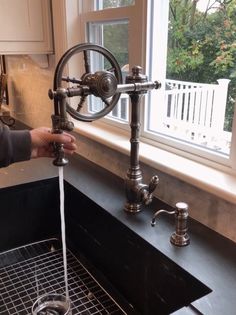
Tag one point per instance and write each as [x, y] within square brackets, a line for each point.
[102, 84]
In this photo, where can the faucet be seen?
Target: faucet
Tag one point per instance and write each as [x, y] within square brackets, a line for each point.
[108, 86]
[60, 123]
[180, 237]
[137, 193]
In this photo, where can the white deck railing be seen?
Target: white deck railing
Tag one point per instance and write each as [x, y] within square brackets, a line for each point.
[192, 111]
[196, 112]
[196, 104]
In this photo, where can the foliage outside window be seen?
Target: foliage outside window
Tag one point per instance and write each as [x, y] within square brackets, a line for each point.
[104, 4]
[202, 45]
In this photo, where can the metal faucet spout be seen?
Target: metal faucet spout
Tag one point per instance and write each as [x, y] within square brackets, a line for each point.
[153, 222]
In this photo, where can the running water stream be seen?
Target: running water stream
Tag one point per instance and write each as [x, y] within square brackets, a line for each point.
[63, 229]
[52, 303]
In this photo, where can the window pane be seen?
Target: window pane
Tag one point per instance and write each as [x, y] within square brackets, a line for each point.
[198, 94]
[104, 4]
[114, 37]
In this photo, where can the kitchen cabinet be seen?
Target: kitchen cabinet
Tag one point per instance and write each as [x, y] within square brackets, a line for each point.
[26, 27]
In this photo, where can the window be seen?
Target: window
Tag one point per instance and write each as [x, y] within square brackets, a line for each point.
[198, 82]
[113, 24]
[173, 41]
[105, 4]
[114, 36]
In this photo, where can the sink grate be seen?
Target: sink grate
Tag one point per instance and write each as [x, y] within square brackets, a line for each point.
[36, 269]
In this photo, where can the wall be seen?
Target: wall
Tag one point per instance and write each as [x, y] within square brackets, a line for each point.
[28, 90]
[29, 86]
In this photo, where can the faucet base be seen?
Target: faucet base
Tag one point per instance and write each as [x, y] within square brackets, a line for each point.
[180, 240]
[132, 207]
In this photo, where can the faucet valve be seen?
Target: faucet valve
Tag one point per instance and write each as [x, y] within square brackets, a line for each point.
[180, 237]
[60, 159]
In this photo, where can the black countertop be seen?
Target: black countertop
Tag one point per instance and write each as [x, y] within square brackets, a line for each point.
[210, 257]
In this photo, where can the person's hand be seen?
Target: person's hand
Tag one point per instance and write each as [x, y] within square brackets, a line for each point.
[42, 139]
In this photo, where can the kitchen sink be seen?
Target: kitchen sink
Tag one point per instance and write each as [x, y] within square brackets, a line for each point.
[131, 275]
[36, 269]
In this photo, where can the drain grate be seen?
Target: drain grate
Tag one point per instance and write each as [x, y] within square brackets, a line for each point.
[36, 269]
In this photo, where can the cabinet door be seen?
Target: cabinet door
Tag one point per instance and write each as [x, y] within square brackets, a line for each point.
[25, 26]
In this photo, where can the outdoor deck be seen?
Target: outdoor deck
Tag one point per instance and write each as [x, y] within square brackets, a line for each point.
[193, 112]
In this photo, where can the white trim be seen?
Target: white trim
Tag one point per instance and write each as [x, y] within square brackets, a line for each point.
[233, 142]
[65, 25]
[199, 154]
[59, 27]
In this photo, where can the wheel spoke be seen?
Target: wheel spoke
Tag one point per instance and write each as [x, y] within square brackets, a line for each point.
[72, 80]
[112, 69]
[81, 103]
[106, 101]
[87, 61]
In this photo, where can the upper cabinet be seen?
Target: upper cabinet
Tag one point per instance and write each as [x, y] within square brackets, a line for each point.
[26, 27]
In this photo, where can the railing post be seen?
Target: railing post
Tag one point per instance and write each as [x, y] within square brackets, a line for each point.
[219, 105]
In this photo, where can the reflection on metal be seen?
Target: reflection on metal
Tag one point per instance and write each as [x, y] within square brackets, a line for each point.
[107, 85]
[180, 237]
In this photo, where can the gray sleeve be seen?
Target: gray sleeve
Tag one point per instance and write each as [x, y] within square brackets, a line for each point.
[15, 146]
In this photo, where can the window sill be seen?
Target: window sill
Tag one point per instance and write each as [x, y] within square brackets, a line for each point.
[218, 182]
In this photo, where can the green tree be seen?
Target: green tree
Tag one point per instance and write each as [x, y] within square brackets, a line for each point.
[116, 3]
[116, 34]
[202, 45]
[116, 40]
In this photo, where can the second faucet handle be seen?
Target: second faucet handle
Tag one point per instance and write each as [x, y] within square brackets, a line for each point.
[153, 183]
[147, 192]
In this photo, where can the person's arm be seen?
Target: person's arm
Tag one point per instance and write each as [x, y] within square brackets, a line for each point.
[42, 139]
[15, 146]
[22, 145]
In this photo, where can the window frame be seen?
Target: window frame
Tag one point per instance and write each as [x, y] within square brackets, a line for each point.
[137, 56]
[141, 11]
[176, 146]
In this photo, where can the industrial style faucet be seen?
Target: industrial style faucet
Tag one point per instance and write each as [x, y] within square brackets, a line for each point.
[108, 86]
[180, 237]
[137, 193]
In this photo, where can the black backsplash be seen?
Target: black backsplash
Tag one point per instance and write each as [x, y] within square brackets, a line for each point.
[29, 212]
